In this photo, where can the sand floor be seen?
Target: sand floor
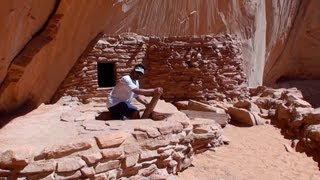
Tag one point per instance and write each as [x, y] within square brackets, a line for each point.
[253, 153]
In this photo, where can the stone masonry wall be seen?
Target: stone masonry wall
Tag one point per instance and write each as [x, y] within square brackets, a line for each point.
[151, 152]
[198, 67]
[82, 81]
[193, 67]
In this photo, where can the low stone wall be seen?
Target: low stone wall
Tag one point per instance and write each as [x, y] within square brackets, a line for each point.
[191, 67]
[295, 116]
[154, 152]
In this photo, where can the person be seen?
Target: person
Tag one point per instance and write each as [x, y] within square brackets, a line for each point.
[119, 99]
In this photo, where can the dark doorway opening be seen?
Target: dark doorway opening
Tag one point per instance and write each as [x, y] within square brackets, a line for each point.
[106, 74]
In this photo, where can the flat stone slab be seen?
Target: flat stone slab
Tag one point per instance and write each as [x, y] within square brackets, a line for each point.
[221, 119]
[43, 128]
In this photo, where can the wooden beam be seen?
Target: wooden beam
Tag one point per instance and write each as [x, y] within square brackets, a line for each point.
[151, 106]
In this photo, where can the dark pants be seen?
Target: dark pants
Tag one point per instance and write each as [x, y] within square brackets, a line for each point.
[122, 111]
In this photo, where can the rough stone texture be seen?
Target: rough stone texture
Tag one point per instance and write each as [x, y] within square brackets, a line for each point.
[111, 140]
[92, 158]
[243, 116]
[22, 21]
[40, 166]
[288, 110]
[70, 164]
[309, 88]
[271, 33]
[15, 158]
[103, 167]
[87, 171]
[131, 160]
[113, 153]
[222, 119]
[198, 67]
[298, 59]
[22, 84]
[68, 175]
[63, 150]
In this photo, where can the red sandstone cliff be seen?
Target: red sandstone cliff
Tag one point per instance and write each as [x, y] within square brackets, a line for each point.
[41, 41]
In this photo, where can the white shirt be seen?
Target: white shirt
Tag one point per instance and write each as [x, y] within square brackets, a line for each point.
[122, 92]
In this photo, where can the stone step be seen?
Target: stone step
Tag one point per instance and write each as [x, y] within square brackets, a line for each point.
[221, 119]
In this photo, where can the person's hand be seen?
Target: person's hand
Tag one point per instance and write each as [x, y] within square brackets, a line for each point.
[145, 103]
[158, 90]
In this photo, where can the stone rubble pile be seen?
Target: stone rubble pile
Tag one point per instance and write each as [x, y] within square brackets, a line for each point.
[287, 109]
[166, 145]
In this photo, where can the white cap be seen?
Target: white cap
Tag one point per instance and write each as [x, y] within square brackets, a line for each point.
[139, 69]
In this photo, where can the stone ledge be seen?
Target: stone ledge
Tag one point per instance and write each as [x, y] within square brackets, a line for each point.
[120, 154]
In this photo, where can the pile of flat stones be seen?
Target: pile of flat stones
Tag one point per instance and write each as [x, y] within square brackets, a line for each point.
[157, 151]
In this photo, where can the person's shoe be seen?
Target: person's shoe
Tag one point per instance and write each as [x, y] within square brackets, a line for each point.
[124, 118]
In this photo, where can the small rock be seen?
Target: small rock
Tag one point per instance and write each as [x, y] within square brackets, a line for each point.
[70, 116]
[111, 140]
[294, 143]
[87, 171]
[70, 164]
[288, 148]
[225, 140]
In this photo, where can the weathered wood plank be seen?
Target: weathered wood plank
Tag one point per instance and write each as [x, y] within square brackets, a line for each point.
[150, 107]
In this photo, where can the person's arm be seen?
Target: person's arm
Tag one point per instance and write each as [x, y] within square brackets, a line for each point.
[142, 100]
[148, 92]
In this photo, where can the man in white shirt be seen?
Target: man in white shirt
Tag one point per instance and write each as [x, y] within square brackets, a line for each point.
[119, 99]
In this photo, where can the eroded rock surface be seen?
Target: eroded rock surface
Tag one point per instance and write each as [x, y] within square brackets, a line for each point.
[265, 29]
[141, 148]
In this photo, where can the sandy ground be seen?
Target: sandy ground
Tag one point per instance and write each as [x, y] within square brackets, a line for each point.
[253, 153]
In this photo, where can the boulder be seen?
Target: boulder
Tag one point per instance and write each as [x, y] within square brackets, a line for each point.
[58, 151]
[221, 119]
[19, 157]
[111, 140]
[244, 116]
[198, 106]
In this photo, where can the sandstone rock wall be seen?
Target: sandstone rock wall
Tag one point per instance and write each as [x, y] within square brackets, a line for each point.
[38, 70]
[197, 67]
[28, 70]
[299, 59]
[20, 22]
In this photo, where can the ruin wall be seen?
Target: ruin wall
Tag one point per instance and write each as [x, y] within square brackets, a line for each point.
[155, 151]
[192, 67]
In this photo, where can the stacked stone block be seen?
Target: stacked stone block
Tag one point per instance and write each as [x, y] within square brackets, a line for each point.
[196, 67]
[152, 152]
[82, 81]
[192, 67]
[287, 109]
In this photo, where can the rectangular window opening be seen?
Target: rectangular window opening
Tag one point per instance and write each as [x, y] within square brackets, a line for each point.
[106, 75]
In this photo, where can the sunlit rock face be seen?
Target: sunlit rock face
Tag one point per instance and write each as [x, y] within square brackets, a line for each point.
[20, 20]
[300, 57]
[36, 72]
[33, 66]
